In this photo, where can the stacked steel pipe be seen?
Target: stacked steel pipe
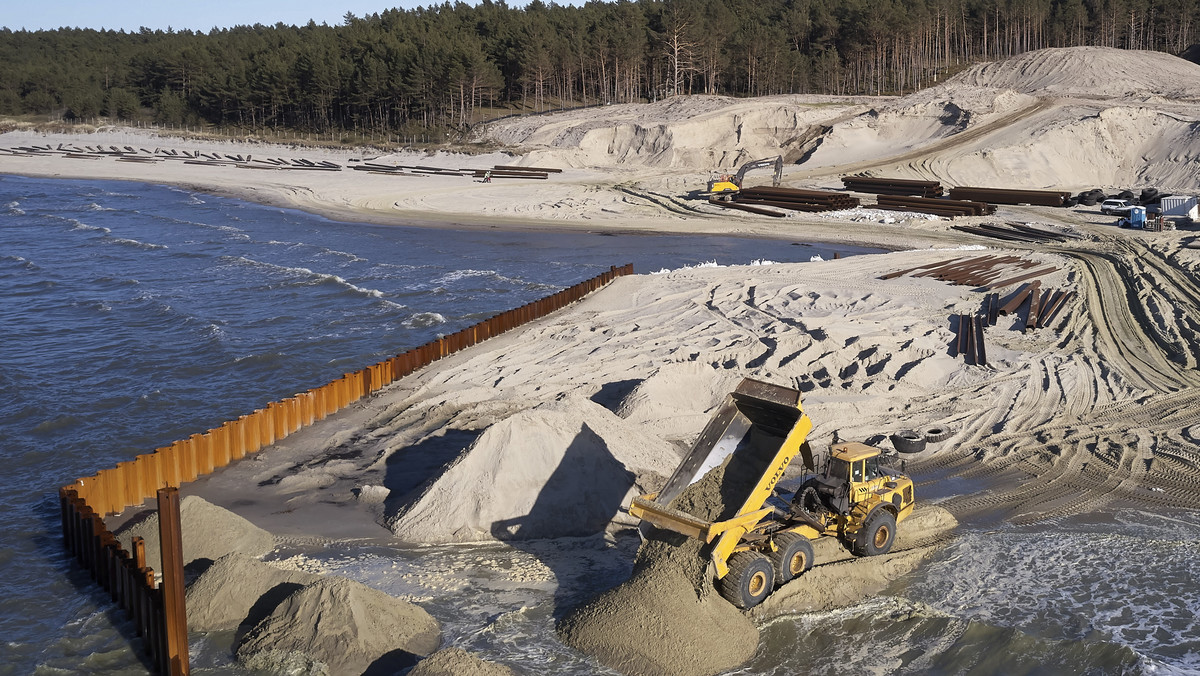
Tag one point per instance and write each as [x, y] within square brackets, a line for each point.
[795, 199]
[1045, 198]
[938, 207]
[893, 186]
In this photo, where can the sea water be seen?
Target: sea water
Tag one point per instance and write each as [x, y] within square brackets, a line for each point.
[132, 315]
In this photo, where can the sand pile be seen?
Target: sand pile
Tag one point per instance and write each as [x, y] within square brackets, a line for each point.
[237, 592]
[457, 662]
[337, 626]
[667, 618]
[677, 399]
[563, 468]
[209, 532]
[1090, 72]
[688, 132]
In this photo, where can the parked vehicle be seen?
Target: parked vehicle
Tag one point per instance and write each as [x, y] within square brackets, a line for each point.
[1110, 207]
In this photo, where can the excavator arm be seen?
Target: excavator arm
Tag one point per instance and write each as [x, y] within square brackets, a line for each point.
[776, 162]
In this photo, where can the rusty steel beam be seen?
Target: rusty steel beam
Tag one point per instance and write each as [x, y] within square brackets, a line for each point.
[1035, 297]
[901, 273]
[1021, 278]
[1052, 313]
[1018, 298]
[980, 350]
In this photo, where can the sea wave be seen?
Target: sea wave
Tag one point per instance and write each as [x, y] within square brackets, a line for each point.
[135, 243]
[302, 276]
[423, 320]
[80, 225]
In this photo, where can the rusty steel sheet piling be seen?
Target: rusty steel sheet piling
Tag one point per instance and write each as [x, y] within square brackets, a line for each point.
[1035, 297]
[158, 612]
[1018, 299]
[980, 351]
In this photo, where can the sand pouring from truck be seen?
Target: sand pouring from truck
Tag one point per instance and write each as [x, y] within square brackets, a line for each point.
[762, 540]
[724, 186]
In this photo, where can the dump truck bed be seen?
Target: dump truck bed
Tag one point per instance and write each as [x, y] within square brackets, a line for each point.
[760, 428]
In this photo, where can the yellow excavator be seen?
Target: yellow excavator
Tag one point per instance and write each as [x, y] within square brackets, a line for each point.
[760, 540]
[725, 186]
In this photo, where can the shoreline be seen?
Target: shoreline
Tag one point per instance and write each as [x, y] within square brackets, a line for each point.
[594, 200]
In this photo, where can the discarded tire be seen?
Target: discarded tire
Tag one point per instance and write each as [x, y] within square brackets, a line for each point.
[935, 434]
[1125, 195]
[908, 441]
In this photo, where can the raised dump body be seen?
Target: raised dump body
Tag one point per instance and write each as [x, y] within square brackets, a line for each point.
[755, 435]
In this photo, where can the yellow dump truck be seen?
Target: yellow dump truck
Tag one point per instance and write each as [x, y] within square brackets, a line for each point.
[760, 539]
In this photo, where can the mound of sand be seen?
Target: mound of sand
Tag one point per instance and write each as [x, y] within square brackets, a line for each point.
[340, 627]
[563, 468]
[689, 132]
[677, 399]
[458, 662]
[238, 592]
[667, 618]
[209, 532]
[1089, 72]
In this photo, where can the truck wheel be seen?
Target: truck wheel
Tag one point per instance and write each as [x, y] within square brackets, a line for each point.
[795, 556]
[877, 535]
[750, 579]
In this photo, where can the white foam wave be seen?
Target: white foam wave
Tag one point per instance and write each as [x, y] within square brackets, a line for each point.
[707, 264]
[422, 320]
[816, 258]
[135, 243]
[306, 276]
[96, 207]
[14, 208]
[456, 275]
[763, 261]
[80, 225]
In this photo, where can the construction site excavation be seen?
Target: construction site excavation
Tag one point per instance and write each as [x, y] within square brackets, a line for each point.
[973, 453]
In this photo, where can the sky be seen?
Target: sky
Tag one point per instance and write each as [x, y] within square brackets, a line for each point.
[197, 15]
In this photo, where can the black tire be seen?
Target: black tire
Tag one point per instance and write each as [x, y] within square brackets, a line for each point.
[937, 434]
[876, 536]
[750, 579]
[795, 556]
[808, 500]
[908, 441]
[1125, 195]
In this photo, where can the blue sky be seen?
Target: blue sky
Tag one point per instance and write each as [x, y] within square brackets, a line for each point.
[198, 15]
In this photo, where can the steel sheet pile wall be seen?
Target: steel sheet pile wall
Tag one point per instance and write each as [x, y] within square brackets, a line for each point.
[86, 502]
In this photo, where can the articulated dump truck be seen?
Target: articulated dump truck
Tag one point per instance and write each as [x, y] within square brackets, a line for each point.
[762, 538]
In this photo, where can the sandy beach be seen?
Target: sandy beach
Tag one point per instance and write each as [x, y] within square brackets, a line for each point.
[544, 434]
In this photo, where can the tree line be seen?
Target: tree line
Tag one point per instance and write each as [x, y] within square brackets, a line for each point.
[449, 66]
